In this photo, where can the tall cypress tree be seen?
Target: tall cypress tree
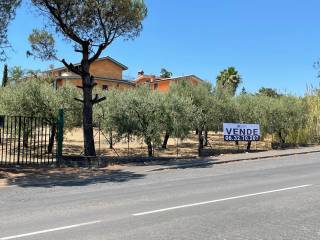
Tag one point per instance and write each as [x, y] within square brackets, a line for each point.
[5, 76]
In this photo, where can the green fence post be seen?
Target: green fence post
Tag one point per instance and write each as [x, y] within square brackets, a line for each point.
[60, 126]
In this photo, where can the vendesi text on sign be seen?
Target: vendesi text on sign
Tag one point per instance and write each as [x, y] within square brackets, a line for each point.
[241, 132]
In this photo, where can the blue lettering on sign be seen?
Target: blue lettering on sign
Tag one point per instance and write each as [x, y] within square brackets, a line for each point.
[241, 132]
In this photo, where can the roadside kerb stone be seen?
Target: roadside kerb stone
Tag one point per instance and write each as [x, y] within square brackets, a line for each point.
[248, 156]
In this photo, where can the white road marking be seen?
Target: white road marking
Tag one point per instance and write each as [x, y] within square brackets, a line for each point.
[219, 200]
[49, 230]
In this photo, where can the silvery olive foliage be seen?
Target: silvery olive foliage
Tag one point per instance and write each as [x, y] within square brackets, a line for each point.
[38, 98]
[149, 115]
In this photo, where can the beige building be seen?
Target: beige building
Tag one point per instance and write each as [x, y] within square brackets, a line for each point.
[108, 74]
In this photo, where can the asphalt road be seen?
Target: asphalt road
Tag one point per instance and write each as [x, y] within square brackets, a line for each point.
[276, 198]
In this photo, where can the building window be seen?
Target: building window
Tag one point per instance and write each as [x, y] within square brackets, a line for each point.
[105, 87]
[155, 87]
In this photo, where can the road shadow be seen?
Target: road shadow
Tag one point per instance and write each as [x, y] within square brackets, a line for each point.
[190, 164]
[165, 162]
[65, 177]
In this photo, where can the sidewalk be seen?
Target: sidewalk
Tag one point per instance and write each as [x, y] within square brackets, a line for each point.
[230, 158]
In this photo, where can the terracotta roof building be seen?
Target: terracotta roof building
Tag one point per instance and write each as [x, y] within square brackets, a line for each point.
[108, 74]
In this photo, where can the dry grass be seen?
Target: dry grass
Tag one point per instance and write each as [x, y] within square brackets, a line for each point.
[73, 145]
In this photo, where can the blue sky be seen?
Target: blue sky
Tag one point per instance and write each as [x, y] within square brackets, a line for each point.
[272, 43]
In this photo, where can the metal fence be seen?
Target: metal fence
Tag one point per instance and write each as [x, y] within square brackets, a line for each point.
[27, 140]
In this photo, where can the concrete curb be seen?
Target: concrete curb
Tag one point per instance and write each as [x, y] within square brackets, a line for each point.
[215, 162]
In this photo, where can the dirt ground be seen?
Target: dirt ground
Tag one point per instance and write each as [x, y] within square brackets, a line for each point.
[73, 145]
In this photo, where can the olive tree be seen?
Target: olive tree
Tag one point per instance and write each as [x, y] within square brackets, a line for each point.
[137, 112]
[177, 116]
[285, 116]
[250, 109]
[111, 115]
[202, 100]
[223, 110]
[144, 109]
[247, 107]
[91, 25]
[37, 98]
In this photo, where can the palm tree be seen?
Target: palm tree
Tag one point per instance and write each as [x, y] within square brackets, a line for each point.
[228, 79]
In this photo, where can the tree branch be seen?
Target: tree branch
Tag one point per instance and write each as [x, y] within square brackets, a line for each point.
[62, 24]
[71, 67]
[79, 100]
[78, 50]
[98, 53]
[97, 99]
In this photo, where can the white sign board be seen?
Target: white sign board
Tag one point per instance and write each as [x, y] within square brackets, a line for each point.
[241, 132]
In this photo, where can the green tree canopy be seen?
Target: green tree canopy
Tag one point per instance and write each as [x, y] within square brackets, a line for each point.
[136, 112]
[177, 116]
[203, 102]
[91, 26]
[282, 117]
[164, 73]
[268, 92]
[37, 98]
[16, 73]
[7, 13]
[228, 80]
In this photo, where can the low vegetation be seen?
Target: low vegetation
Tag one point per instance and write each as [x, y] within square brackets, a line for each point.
[155, 117]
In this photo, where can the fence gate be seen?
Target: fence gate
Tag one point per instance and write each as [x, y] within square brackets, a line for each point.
[27, 140]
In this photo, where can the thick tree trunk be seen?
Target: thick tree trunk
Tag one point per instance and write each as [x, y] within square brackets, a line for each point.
[165, 140]
[200, 144]
[205, 138]
[89, 147]
[150, 150]
[52, 136]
